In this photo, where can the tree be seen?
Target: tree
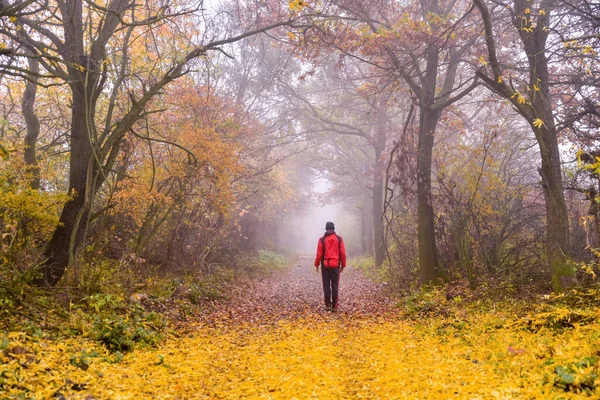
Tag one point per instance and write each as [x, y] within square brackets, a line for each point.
[390, 38]
[88, 47]
[361, 124]
[533, 23]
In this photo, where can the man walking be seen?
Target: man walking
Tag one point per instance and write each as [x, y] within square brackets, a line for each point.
[331, 254]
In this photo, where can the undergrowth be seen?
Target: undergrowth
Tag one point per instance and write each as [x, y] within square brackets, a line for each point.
[465, 348]
[108, 309]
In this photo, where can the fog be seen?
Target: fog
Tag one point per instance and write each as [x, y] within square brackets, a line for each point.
[300, 233]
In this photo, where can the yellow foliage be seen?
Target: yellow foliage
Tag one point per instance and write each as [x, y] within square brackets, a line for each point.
[520, 98]
[297, 5]
[480, 356]
[538, 123]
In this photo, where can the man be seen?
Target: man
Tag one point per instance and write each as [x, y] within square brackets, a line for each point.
[331, 255]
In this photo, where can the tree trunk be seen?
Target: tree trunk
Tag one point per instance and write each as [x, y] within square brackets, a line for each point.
[379, 140]
[428, 119]
[363, 230]
[378, 238]
[428, 255]
[557, 219]
[594, 211]
[367, 205]
[32, 123]
[68, 236]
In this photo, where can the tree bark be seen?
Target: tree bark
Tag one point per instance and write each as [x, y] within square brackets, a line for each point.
[32, 123]
[428, 118]
[68, 236]
[377, 214]
[428, 255]
[367, 205]
[378, 183]
[557, 219]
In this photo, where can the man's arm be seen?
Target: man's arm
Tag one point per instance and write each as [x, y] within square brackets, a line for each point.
[319, 254]
[343, 254]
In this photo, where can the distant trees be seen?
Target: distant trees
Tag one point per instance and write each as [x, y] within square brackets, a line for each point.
[417, 45]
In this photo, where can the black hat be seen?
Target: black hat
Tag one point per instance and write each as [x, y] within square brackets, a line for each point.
[329, 226]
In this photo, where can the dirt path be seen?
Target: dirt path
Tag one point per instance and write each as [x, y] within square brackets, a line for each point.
[298, 292]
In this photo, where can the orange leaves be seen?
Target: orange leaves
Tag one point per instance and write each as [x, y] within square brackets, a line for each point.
[184, 166]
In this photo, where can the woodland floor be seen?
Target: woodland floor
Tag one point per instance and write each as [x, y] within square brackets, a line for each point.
[273, 340]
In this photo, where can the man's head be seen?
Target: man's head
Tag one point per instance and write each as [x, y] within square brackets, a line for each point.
[329, 226]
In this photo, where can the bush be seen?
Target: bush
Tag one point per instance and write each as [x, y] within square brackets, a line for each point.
[119, 326]
[27, 216]
[271, 261]
[366, 264]
[207, 289]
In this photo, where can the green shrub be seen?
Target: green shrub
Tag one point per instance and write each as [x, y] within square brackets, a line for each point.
[270, 261]
[207, 289]
[119, 326]
[366, 264]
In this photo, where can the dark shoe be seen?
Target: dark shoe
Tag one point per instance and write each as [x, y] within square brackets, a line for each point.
[328, 307]
[334, 309]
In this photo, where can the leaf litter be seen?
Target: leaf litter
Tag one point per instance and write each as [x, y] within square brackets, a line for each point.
[273, 340]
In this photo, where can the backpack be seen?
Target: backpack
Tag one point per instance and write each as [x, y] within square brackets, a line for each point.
[339, 250]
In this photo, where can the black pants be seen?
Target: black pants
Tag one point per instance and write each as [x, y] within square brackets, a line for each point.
[331, 280]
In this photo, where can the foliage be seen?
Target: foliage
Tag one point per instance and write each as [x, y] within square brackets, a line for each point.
[469, 354]
[271, 261]
[366, 264]
[119, 326]
[27, 216]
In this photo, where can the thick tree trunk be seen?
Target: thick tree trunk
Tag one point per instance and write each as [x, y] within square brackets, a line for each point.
[428, 255]
[428, 118]
[32, 123]
[557, 219]
[68, 236]
[84, 76]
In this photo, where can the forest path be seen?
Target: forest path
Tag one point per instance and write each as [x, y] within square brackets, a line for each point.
[273, 340]
[297, 292]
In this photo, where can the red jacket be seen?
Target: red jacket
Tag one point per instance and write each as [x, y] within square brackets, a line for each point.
[335, 252]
